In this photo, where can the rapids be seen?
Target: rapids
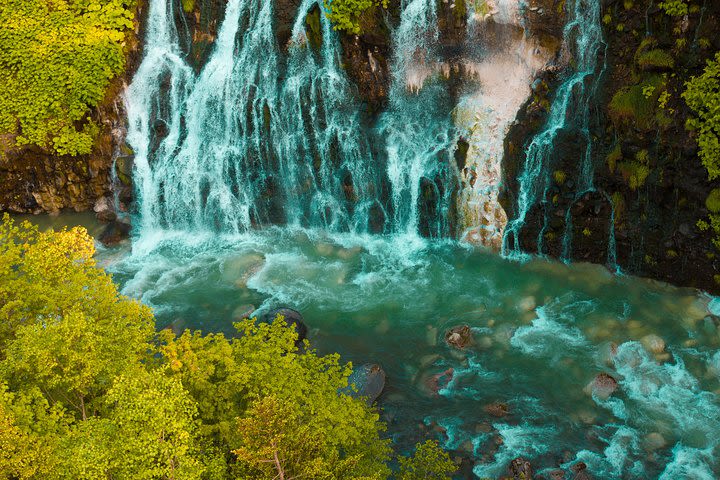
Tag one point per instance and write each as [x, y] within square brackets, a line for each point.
[542, 332]
[260, 182]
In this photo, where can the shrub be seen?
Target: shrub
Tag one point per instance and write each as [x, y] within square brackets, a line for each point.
[57, 59]
[656, 59]
[345, 14]
[675, 8]
[713, 201]
[702, 94]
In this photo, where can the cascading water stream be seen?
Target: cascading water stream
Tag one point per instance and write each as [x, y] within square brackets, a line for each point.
[420, 140]
[503, 58]
[263, 137]
[265, 134]
[570, 109]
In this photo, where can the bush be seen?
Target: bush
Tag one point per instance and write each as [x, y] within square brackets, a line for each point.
[675, 8]
[57, 59]
[702, 94]
[345, 14]
[656, 59]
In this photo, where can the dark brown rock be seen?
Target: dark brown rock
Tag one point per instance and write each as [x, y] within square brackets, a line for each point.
[459, 337]
[520, 469]
[497, 409]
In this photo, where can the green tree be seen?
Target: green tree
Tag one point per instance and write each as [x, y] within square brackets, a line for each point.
[229, 377]
[88, 390]
[46, 275]
[428, 462]
[277, 443]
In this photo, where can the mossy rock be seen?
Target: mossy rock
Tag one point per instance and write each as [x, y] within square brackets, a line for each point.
[712, 202]
[656, 59]
[313, 29]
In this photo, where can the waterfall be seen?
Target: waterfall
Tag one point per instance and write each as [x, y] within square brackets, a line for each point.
[570, 109]
[417, 128]
[266, 135]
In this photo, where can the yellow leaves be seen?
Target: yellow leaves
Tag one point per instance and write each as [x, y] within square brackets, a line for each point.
[56, 61]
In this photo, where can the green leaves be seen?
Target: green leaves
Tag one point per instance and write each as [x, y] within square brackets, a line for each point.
[56, 62]
[702, 95]
[429, 462]
[345, 14]
[88, 390]
[675, 8]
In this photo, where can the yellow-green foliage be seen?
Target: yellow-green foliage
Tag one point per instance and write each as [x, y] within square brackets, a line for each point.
[656, 59]
[188, 5]
[675, 8]
[636, 105]
[630, 104]
[57, 58]
[636, 171]
[712, 202]
[614, 157]
[345, 14]
[88, 390]
[428, 463]
[702, 95]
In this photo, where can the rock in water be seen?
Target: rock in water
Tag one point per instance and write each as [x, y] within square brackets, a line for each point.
[105, 210]
[459, 337]
[520, 469]
[527, 304]
[292, 317]
[602, 386]
[369, 381]
[497, 409]
[114, 233]
[653, 343]
[242, 312]
[580, 471]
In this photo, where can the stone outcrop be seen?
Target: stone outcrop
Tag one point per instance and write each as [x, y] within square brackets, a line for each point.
[518, 44]
[650, 186]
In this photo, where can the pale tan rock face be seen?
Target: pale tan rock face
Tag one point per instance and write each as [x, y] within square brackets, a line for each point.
[514, 56]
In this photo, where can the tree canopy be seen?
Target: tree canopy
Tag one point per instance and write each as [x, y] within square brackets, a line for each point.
[89, 390]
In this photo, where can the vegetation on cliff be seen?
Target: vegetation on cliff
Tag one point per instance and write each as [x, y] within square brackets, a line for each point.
[345, 14]
[57, 59]
[703, 97]
[88, 389]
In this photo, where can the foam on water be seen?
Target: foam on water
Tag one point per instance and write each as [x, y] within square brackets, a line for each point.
[547, 337]
[529, 441]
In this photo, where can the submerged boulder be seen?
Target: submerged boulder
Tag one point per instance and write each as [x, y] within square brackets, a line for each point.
[497, 409]
[602, 386]
[242, 312]
[459, 337]
[653, 343]
[369, 381]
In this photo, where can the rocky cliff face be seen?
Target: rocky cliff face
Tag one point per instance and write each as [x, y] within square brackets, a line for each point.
[650, 187]
[36, 181]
